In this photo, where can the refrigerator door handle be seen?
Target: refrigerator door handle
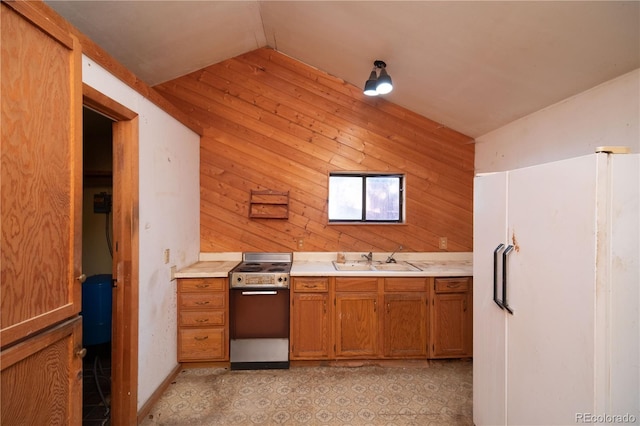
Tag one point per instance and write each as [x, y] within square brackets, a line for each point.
[505, 303]
[495, 276]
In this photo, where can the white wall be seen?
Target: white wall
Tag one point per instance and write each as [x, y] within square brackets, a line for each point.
[607, 114]
[169, 218]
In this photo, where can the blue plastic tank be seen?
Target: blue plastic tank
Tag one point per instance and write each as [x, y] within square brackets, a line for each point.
[96, 310]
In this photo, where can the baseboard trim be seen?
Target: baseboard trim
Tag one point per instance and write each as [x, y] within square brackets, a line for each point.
[155, 396]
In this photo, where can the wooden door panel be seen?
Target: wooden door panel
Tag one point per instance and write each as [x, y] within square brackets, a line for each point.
[357, 325]
[405, 325]
[41, 181]
[42, 378]
[310, 326]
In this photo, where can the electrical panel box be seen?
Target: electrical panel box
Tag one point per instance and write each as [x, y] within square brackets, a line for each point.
[102, 203]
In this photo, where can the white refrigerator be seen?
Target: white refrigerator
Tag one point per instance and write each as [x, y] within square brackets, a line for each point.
[556, 293]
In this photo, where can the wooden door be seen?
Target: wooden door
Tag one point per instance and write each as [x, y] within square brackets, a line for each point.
[405, 325]
[41, 180]
[41, 190]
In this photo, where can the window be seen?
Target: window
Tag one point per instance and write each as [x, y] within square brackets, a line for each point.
[366, 197]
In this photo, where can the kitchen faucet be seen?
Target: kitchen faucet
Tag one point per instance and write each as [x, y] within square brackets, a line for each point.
[369, 257]
[390, 259]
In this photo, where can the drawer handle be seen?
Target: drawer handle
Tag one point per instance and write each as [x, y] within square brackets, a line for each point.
[201, 320]
[451, 285]
[202, 303]
[202, 285]
[201, 337]
[310, 286]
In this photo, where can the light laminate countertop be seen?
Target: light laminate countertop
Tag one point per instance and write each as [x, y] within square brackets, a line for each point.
[311, 264]
[442, 268]
[207, 269]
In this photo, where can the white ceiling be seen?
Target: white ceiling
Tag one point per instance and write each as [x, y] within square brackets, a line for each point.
[473, 66]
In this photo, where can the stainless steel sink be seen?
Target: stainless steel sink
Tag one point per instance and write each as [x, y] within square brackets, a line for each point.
[361, 265]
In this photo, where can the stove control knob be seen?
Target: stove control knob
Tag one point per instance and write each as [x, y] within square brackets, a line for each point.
[239, 279]
[280, 279]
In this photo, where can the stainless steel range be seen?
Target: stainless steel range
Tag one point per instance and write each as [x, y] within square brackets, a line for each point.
[259, 311]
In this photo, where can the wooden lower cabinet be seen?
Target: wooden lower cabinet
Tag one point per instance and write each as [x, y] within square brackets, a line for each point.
[356, 318]
[203, 320]
[380, 318]
[451, 319]
[311, 311]
[405, 318]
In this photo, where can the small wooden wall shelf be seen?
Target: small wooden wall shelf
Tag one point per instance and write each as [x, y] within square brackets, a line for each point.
[269, 205]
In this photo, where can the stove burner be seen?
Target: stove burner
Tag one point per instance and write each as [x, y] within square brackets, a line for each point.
[251, 264]
[275, 270]
[249, 268]
[280, 264]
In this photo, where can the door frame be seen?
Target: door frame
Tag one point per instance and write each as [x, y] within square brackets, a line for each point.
[124, 341]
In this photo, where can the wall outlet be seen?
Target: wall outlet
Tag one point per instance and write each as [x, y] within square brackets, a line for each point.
[300, 243]
[167, 255]
[442, 243]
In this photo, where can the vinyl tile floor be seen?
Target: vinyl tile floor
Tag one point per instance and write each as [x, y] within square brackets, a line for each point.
[427, 393]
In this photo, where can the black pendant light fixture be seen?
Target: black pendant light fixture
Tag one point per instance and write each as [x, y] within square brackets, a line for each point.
[378, 85]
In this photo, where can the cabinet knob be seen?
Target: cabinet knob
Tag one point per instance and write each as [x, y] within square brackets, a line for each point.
[82, 278]
[81, 353]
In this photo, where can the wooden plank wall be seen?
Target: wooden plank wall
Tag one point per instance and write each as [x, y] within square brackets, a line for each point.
[273, 123]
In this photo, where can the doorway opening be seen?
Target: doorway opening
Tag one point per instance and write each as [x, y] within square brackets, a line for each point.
[97, 265]
[124, 249]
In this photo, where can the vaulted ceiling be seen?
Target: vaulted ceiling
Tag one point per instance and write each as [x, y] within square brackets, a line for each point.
[472, 66]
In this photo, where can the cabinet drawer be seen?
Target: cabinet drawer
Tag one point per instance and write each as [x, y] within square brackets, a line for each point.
[201, 318]
[405, 284]
[201, 344]
[205, 300]
[452, 285]
[309, 285]
[202, 284]
[356, 284]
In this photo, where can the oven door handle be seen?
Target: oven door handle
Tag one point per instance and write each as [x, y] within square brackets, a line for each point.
[258, 293]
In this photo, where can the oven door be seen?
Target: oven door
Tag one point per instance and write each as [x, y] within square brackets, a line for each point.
[259, 328]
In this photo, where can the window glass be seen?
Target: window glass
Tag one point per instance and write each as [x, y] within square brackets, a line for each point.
[362, 197]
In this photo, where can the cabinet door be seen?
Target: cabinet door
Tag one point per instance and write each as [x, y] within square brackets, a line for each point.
[357, 325]
[40, 173]
[41, 379]
[451, 325]
[405, 325]
[310, 326]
